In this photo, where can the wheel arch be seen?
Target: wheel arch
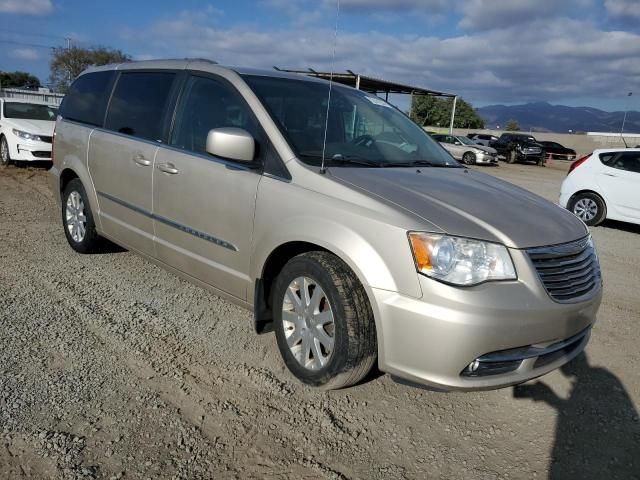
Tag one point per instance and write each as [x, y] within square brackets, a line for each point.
[591, 191]
[66, 176]
[277, 259]
[71, 168]
[278, 256]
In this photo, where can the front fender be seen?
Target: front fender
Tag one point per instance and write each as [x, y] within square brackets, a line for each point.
[375, 249]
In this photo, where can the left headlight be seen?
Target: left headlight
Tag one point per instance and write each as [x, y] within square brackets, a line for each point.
[26, 135]
[460, 261]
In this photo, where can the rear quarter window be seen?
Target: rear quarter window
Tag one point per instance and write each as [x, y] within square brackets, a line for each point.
[87, 98]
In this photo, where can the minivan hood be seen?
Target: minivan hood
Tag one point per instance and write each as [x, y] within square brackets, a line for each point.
[467, 203]
[37, 127]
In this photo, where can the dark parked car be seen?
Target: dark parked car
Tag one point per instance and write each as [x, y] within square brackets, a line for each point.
[518, 147]
[556, 151]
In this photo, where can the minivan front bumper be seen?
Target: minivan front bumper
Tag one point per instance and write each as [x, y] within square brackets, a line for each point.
[488, 336]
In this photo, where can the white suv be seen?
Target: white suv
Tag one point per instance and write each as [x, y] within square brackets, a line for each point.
[26, 130]
[604, 185]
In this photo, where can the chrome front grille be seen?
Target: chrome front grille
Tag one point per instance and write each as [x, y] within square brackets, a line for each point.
[569, 272]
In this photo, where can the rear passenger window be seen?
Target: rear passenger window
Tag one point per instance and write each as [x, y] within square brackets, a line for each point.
[87, 98]
[207, 104]
[139, 104]
[629, 161]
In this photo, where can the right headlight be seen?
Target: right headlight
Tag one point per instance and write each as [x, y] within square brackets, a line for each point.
[460, 261]
[26, 135]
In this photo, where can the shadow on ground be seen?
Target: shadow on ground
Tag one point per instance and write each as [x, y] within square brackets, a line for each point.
[625, 227]
[597, 431]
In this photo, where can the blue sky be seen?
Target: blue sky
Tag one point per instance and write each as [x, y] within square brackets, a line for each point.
[574, 52]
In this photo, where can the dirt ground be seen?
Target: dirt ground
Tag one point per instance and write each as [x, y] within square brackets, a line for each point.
[113, 368]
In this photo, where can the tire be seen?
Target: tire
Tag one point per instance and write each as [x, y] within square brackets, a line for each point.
[469, 158]
[353, 350]
[588, 207]
[76, 209]
[511, 158]
[5, 156]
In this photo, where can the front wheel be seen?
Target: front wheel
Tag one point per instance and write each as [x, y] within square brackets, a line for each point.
[589, 208]
[323, 320]
[5, 157]
[469, 158]
[511, 158]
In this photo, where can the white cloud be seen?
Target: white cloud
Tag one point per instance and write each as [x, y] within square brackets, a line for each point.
[490, 14]
[28, 54]
[543, 59]
[26, 7]
[626, 10]
[391, 5]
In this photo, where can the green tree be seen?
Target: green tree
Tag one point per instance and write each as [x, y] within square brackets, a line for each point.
[512, 126]
[434, 111]
[67, 63]
[18, 80]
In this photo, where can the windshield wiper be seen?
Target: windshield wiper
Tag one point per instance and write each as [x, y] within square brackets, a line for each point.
[415, 163]
[341, 158]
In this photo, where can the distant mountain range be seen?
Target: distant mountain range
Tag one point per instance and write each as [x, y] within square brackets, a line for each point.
[544, 117]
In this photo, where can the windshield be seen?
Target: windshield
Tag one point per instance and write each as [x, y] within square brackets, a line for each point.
[362, 129]
[466, 141]
[29, 111]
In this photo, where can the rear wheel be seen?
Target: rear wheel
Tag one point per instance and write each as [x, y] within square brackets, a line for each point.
[589, 208]
[323, 321]
[511, 158]
[469, 158]
[77, 219]
[5, 157]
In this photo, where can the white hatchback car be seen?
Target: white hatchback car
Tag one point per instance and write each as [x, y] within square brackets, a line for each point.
[26, 130]
[604, 185]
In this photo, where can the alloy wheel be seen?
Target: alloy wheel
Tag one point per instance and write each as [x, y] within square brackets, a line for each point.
[4, 152]
[76, 217]
[585, 209]
[308, 323]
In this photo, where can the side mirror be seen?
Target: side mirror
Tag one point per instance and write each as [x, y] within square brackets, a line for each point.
[458, 143]
[231, 144]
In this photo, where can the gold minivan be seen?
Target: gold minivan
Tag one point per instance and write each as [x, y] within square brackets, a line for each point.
[339, 222]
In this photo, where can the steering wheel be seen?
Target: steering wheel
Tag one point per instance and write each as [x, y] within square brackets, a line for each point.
[364, 141]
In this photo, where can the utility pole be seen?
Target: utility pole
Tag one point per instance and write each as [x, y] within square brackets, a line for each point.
[68, 39]
[624, 119]
[453, 114]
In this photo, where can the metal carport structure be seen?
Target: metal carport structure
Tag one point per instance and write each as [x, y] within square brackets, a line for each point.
[376, 85]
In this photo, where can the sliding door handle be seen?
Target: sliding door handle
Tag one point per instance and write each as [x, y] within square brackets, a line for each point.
[140, 160]
[168, 168]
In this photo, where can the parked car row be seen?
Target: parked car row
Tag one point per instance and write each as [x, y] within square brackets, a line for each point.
[466, 151]
[520, 147]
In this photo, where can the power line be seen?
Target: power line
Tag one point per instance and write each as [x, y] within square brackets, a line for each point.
[25, 44]
[33, 34]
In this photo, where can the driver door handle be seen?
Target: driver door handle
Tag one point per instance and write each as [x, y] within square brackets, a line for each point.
[168, 168]
[610, 174]
[140, 160]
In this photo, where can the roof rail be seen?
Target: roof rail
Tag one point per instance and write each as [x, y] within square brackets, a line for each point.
[198, 59]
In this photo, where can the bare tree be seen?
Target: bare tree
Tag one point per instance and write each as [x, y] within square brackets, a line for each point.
[67, 63]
